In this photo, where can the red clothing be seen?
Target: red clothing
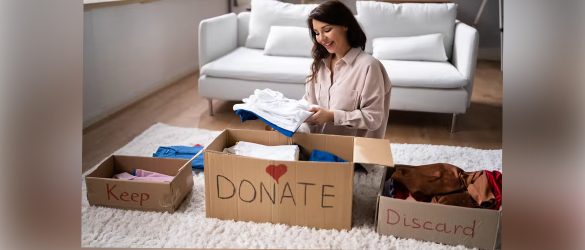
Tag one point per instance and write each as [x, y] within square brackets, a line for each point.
[495, 181]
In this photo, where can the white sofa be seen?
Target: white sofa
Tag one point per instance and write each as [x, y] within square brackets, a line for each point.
[231, 71]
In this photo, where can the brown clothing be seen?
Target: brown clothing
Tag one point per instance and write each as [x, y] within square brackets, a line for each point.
[446, 184]
[429, 180]
[462, 199]
[358, 95]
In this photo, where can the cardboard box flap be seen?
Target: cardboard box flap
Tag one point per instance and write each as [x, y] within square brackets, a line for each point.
[104, 169]
[188, 163]
[219, 143]
[372, 151]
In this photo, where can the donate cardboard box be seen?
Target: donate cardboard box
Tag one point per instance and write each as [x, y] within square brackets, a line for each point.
[103, 190]
[304, 193]
[453, 225]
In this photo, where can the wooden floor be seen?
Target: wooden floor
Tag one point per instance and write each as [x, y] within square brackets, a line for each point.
[180, 105]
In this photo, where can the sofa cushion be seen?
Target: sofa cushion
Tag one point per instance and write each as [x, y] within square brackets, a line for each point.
[289, 41]
[413, 48]
[266, 13]
[252, 64]
[420, 74]
[380, 19]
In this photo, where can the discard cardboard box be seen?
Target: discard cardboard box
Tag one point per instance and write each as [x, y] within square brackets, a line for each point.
[305, 193]
[453, 225]
[103, 190]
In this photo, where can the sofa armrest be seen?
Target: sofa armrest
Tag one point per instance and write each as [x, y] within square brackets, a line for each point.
[464, 57]
[217, 37]
[243, 27]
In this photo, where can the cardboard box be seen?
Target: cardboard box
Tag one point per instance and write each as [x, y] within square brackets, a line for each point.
[103, 190]
[453, 225]
[304, 193]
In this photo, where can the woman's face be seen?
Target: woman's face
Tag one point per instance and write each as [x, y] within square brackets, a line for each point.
[332, 37]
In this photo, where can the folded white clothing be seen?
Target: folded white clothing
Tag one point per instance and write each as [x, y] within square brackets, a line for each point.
[272, 106]
[279, 152]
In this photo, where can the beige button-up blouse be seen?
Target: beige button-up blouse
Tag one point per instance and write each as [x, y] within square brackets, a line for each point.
[358, 95]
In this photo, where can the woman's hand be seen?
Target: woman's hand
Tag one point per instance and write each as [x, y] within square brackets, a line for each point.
[320, 116]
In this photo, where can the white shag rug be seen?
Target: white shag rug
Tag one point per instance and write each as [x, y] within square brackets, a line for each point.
[188, 227]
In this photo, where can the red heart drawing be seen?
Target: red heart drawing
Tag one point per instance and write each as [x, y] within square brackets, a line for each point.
[276, 171]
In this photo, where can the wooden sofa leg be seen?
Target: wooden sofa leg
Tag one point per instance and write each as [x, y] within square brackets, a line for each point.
[453, 120]
[210, 102]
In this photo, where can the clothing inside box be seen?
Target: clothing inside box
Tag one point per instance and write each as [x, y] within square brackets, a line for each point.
[160, 165]
[138, 168]
[341, 147]
[291, 152]
[303, 155]
[444, 184]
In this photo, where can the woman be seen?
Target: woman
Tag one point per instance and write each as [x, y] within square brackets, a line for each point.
[350, 87]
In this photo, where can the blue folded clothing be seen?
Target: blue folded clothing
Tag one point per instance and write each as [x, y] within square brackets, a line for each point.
[248, 115]
[324, 156]
[181, 152]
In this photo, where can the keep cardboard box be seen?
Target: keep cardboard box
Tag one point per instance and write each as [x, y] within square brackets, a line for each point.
[103, 190]
[453, 225]
[304, 193]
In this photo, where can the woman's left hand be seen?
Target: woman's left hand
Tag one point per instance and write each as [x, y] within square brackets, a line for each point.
[321, 115]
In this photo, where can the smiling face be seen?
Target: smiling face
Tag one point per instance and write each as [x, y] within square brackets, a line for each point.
[332, 37]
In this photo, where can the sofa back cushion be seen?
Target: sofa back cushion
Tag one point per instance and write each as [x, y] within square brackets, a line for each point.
[266, 13]
[380, 19]
[415, 48]
[288, 41]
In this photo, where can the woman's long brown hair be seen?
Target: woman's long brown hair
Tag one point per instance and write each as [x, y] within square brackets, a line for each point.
[335, 13]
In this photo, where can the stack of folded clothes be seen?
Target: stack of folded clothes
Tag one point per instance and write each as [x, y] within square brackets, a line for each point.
[283, 114]
[279, 152]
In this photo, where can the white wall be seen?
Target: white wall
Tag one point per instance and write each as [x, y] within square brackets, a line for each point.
[488, 25]
[134, 49]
